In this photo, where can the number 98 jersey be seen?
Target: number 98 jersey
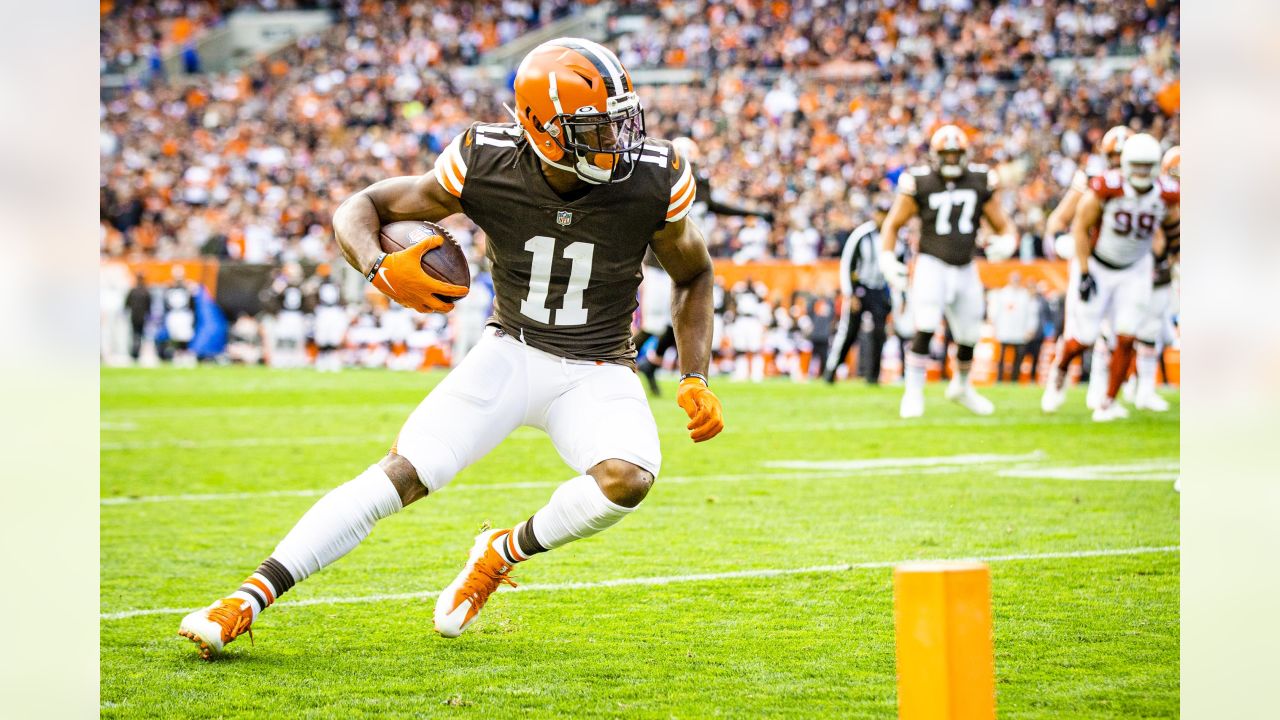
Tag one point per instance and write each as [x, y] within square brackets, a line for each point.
[950, 209]
[565, 270]
[1129, 218]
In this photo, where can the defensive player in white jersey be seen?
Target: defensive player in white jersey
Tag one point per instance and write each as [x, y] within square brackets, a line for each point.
[1155, 330]
[1057, 227]
[951, 197]
[570, 197]
[1115, 229]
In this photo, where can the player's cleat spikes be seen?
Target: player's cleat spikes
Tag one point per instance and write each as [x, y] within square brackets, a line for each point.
[215, 626]
[460, 603]
[1151, 401]
[1054, 395]
[912, 405]
[1112, 411]
[969, 398]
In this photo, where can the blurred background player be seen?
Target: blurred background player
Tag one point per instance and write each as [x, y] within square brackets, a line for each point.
[1112, 278]
[1013, 319]
[331, 321]
[751, 315]
[467, 321]
[287, 329]
[863, 290]
[655, 335]
[180, 319]
[951, 197]
[1155, 330]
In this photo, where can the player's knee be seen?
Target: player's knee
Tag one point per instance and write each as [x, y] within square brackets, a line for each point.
[964, 353]
[404, 477]
[920, 343]
[622, 482]
[434, 462]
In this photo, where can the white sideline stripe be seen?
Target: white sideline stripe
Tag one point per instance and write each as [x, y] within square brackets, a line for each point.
[671, 579]
[1148, 470]
[886, 466]
[870, 463]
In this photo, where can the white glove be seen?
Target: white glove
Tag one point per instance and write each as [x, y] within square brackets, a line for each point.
[895, 273]
[1064, 246]
[1001, 247]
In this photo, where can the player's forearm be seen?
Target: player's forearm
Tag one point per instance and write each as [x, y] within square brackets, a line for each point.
[691, 315]
[1083, 250]
[355, 226]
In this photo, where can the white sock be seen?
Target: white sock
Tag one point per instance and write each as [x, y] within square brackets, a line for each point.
[962, 371]
[1099, 370]
[577, 509]
[1146, 370]
[914, 374]
[337, 523]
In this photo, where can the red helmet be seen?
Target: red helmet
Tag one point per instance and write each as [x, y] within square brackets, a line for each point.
[579, 110]
[1171, 164]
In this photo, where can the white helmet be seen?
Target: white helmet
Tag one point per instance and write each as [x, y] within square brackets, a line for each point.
[1139, 160]
[949, 150]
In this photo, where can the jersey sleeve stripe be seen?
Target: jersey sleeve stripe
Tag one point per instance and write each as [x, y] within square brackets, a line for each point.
[676, 212]
[685, 195]
[682, 185]
[451, 171]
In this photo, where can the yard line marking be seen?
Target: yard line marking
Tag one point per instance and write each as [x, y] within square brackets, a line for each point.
[906, 468]
[871, 463]
[672, 579]
[887, 465]
[1136, 471]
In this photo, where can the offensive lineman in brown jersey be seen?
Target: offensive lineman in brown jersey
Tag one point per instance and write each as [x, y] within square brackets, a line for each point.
[951, 197]
[570, 198]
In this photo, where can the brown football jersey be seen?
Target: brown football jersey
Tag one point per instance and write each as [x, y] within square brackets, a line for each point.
[565, 271]
[950, 209]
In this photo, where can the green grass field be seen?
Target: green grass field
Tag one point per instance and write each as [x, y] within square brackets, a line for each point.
[816, 483]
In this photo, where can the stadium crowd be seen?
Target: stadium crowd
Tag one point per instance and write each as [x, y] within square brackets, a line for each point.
[806, 109]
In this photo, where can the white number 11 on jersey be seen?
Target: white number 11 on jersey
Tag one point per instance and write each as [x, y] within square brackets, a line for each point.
[535, 305]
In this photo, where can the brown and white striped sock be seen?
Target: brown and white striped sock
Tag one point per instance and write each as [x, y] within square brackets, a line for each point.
[260, 590]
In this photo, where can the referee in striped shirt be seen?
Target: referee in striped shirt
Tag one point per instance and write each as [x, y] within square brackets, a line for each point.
[864, 291]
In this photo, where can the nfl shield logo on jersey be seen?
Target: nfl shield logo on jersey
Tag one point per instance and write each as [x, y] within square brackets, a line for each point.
[564, 217]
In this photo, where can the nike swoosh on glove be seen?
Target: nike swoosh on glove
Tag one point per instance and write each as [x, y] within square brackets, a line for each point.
[1087, 286]
[401, 278]
[706, 419]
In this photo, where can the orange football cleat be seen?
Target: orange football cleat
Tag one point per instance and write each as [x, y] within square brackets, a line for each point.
[215, 626]
[485, 570]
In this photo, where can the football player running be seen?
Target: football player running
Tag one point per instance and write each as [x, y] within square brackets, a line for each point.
[1058, 227]
[1112, 278]
[570, 197]
[1154, 330]
[950, 196]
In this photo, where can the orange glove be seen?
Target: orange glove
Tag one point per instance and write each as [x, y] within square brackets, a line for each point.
[399, 276]
[703, 407]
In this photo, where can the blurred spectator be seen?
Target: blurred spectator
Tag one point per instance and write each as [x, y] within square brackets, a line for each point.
[1042, 320]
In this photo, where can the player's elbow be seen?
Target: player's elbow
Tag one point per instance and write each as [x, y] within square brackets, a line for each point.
[622, 482]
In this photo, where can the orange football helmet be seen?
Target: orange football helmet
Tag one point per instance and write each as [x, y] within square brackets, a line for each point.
[949, 148]
[1113, 144]
[1171, 164]
[579, 110]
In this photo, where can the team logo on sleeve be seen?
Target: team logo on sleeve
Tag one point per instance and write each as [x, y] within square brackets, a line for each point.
[564, 217]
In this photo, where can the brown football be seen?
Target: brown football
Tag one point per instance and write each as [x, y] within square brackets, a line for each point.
[446, 263]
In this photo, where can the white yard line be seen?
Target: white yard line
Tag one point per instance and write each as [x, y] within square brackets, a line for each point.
[671, 579]
[872, 463]
[1137, 471]
[1140, 471]
[883, 466]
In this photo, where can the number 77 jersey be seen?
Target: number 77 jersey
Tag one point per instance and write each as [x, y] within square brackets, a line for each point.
[950, 209]
[1129, 217]
[565, 270]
